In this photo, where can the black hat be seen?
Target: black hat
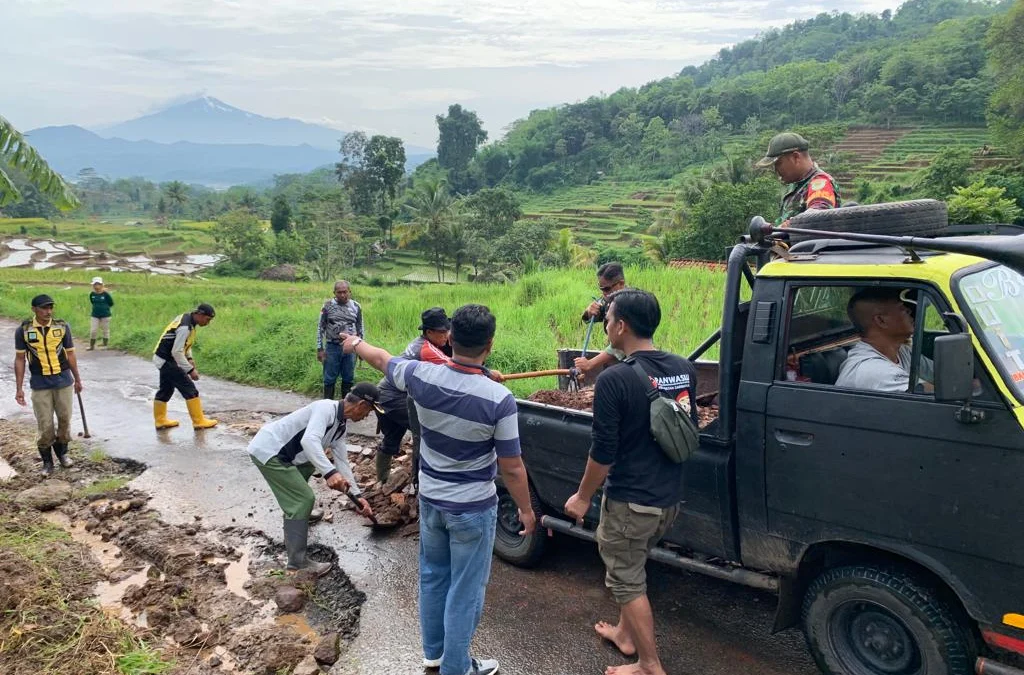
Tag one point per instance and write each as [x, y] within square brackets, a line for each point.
[203, 308]
[435, 319]
[42, 300]
[367, 391]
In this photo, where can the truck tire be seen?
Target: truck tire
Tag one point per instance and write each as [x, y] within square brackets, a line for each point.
[916, 218]
[508, 545]
[868, 620]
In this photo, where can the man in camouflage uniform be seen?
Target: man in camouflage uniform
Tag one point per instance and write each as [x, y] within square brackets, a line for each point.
[810, 187]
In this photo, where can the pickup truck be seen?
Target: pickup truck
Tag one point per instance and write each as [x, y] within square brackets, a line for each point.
[889, 524]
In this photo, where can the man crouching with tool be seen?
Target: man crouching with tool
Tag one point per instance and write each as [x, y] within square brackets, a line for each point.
[289, 450]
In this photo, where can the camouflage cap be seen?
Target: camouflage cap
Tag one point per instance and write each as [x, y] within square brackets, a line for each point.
[780, 144]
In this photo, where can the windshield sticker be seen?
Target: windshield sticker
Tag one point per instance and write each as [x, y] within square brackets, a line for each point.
[995, 299]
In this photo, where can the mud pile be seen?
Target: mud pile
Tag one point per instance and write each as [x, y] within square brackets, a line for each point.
[202, 597]
[707, 412]
[577, 400]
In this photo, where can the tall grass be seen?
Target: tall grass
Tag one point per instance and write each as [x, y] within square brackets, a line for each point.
[265, 332]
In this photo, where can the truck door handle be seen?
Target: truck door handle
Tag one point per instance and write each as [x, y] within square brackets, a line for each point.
[793, 437]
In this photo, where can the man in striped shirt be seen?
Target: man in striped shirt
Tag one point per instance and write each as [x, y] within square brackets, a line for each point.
[470, 431]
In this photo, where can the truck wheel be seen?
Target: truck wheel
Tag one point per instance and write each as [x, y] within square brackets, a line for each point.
[510, 547]
[918, 218]
[866, 620]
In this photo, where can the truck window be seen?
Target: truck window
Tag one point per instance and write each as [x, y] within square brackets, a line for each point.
[818, 334]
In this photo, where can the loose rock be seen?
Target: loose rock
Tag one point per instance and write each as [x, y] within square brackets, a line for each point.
[307, 666]
[328, 650]
[47, 496]
[289, 599]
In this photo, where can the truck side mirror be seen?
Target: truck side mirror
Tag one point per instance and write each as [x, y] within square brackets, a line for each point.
[954, 367]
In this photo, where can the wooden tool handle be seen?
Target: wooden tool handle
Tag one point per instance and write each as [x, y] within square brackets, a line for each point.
[536, 373]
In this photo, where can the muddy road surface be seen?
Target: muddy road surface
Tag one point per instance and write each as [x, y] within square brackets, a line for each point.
[535, 622]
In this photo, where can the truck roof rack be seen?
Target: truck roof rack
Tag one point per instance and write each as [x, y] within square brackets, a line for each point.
[1001, 248]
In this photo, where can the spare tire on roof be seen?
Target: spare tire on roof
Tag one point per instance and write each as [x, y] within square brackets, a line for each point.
[915, 218]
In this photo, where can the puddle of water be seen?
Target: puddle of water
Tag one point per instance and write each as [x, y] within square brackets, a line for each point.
[296, 622]
[108, 594]
[17, 258]
[105, 552]
[237, 574]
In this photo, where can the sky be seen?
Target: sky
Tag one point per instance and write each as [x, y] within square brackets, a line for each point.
[384, 66]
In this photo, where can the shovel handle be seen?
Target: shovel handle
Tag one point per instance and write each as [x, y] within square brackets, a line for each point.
[81, 409]
[355, 502]
[536, 373]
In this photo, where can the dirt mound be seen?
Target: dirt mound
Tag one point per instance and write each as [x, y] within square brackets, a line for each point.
[188, 598]
[581, 400]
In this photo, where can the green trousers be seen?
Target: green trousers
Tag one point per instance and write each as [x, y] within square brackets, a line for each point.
[290, 485]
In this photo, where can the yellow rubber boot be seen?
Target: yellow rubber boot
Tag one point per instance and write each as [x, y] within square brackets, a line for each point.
[199, 420]
[160, 416]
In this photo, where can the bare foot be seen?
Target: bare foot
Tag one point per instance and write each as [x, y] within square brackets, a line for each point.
[633, 669]
[617, 636]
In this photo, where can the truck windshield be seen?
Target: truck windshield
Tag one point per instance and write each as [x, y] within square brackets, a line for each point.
[995, 300]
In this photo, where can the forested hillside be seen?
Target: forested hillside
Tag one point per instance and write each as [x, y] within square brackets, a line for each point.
[926, 63]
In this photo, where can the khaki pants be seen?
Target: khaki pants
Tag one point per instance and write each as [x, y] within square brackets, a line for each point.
[624, 536]
[96, 324]
[49, 402]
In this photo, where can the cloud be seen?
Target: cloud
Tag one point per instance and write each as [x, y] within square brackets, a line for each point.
[390, 64]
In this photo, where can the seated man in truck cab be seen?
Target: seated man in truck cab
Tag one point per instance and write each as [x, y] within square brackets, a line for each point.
[881, 360]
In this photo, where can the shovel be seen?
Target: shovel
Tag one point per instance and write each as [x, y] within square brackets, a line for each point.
[375, 524]
[574, 372]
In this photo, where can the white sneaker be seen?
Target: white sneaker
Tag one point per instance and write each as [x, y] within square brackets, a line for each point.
[483, 667]
[431, 663]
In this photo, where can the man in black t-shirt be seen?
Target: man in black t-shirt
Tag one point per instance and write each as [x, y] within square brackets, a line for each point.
[642, 486]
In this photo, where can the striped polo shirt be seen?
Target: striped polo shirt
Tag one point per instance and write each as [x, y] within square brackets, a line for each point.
[467, 421]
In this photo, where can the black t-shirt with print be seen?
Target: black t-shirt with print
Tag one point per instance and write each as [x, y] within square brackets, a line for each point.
[640, 473]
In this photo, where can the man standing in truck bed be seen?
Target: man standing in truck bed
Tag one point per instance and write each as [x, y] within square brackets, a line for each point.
[644, 487]
[810, 187]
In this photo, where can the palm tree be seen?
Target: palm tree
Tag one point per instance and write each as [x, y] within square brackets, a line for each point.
[16, 153]
[177, 195]
[432, 209]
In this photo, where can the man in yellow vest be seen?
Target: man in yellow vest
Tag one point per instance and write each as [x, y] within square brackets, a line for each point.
[45, 344]
[173, 357]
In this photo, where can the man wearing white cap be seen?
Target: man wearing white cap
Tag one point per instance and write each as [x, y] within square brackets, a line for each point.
[101, 304]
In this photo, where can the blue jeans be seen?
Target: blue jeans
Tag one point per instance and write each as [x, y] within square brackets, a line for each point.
[339, 363]
[455, 564]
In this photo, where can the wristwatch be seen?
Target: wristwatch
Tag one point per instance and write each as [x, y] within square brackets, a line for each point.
[356, 343]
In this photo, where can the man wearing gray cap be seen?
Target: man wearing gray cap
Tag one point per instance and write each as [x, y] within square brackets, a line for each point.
[810, 187]
[45, 344]
[173, 357]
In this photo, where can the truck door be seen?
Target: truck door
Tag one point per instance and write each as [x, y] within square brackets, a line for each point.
[894, 470]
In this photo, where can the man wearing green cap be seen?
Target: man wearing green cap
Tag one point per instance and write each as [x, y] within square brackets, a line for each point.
[44, 344]
[810, 187]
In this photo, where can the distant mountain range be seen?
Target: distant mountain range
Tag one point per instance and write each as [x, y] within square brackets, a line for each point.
[203, 141]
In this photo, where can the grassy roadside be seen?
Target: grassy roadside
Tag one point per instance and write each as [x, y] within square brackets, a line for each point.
[49, 621]
[265, 332]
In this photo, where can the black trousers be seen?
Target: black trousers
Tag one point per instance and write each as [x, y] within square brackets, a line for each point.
[172, 377]
[393, 424]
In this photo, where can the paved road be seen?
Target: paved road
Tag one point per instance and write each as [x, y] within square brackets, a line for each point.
[537, 622]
